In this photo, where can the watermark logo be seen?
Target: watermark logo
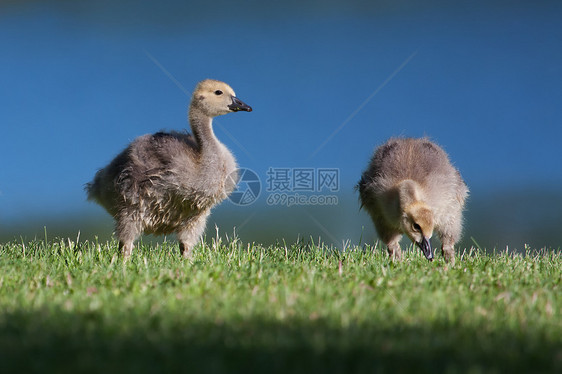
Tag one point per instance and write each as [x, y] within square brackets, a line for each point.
[288, 186]
[294, 199]
[248, 188]
[302, 186]
[303, 180]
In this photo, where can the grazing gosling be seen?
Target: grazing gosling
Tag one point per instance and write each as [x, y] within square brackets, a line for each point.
[410, 187]
[168, 182]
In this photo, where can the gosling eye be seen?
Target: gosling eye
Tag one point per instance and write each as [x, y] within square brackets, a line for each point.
[416, 227]
[218, 92]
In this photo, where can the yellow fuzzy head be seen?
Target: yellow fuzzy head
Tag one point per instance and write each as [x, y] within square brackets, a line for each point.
[215, 98]
[417, 223]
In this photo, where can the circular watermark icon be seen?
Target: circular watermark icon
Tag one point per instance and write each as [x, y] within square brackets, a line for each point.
[247, 189]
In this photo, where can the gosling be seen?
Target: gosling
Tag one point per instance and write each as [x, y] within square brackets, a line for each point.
[168, 182]
[410, 187]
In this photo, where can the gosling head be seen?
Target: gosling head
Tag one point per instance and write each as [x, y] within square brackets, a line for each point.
[417, 223]
[215, 98]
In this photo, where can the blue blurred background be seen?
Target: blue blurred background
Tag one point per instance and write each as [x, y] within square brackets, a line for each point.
[328, 81]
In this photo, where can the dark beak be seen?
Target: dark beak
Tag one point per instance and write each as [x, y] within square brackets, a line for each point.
[238, 104]
[425, 246]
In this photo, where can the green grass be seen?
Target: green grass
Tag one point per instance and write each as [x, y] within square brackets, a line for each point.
[236, 307]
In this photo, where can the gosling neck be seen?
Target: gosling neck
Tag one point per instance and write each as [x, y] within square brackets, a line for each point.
[202, 129]
[408, 193]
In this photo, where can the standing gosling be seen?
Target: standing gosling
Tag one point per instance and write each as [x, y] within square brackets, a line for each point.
[410, 187]
[168, 182]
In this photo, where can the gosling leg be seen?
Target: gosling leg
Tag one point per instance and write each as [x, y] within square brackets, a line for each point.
[448, 250]
[190, 234]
